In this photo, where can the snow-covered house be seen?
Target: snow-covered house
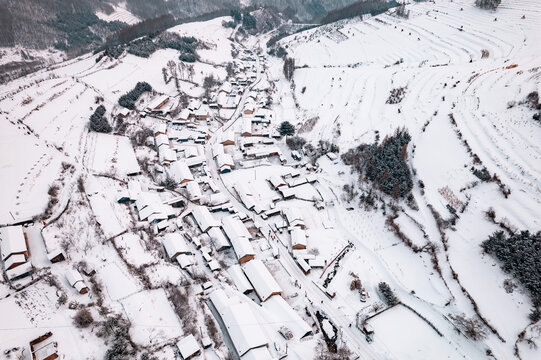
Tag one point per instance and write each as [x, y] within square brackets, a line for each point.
[225, 163]
[157, 105]
[180, 172]
[239, 237]
[183, 117]
[194, 191]
[261, 279]
[204, 218]
[75, 280]
[276, 181]
[161, 129]
[246, 127]
[294, 217]
[245, 195]
[281, 313]
[188, 347]
[261, 152]
[218, 238]
[228, 138]
[217, 149]
[225, 88]
[13, 246]
[239, 279]
[175, 245]
[298, 238]
[161, 140]
[123, 113]
[245, 333]
[166, 155]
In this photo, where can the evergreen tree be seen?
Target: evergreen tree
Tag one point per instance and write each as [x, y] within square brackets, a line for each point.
[248, 21]
[98, 123]
[286, 129]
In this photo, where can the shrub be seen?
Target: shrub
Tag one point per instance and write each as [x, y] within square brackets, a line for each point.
[519, 255]
[295, 142]
[396, 95]
[289, 68]
[98, 123]
[388, 294]
[470, 327]
[488, 4]
[83, 318]
[143, 47]
[535, 315]
[286, 129]
[384, 164]
[169, 183]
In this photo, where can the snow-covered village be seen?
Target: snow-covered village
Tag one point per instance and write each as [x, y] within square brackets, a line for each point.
[265, 180]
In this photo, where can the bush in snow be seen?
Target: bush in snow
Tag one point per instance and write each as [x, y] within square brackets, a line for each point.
[519, 255]
[470, 327]
[388, 294]
[295, 142]
[128, 100]
[488, 4]
[384, 164]
[286, 129]
[98, 123]
[396, 95]
[289, 68]
[83, 318]
[169, 183]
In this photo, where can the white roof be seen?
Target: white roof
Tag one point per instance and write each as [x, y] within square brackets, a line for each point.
[261, 353]
[204, 218]
[298, 237]
[227, 136]
[161, 128]
[239, 279]
[261, 279]
[180, 171]
[134, 189]
[73, 276]
[244, 330]
[188, 346]
[217, 149]
[175, 245]
[280, 312]
[18, 270]
[224, 160]
[154, 104]
[242, 247]
[190, 151]
[246, 125]
[194, 191]
[166, 154]
[185, 260]
[263, 151]
[196, 160]
[214, 265]
[286, 191]
[234, 228]
[293, 216]
[161, 139]
[14, 259]
[226, 86]
[218, 238]
[276, 181]
[12, 241]
[184, 114]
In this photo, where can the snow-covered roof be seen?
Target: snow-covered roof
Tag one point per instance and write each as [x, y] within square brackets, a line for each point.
[18, 271]
[166, 154]
[188, 346]
[245, 332]
[224, 160]
[134, 189]
[298, 238]
[160, 128]
[161, 140]
[226, 87]
[218, 238]
[73, 276]
[239, 279]
[263, 151]
[276, 181]
[157, 103]
[180, 172]
[261, 353]
[185, 260]
[184, 114]
[175, 245]
[14, 260]
[293, 216]
[287, 191]
[194, 191]
[12, 241]
[217, 149]
[190, 151]
[234, 228]
[145, 199]
[204, 218]
[281, 313]
[261, 279]
[246, 127]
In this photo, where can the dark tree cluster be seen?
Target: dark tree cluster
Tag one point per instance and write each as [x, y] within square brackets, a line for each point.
[372, 7]
[289, 68]
[488, 4]
[248, 21]
[146, 27]
[142, 47]
[388, 294]
[98, 122]
[295, 142]
[76, 29]
[146, 46]
[384, 164]
[323, 147]
[128, 100]
[520, 256]
[116, 330]
[396, 95]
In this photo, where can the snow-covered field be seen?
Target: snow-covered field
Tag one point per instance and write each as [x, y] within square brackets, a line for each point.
[465, 73]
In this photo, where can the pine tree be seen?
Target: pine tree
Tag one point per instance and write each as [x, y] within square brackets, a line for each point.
[286, 129]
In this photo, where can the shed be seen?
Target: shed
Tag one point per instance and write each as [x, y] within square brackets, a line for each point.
[261, 279]
[76, 281]
[188, 347]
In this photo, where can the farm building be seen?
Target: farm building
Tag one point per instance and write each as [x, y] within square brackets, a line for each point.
[76, 281]
[180, 172]
[261, 279]
[13, 246]
[175, 245]
[44, 348]
[204, 218]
